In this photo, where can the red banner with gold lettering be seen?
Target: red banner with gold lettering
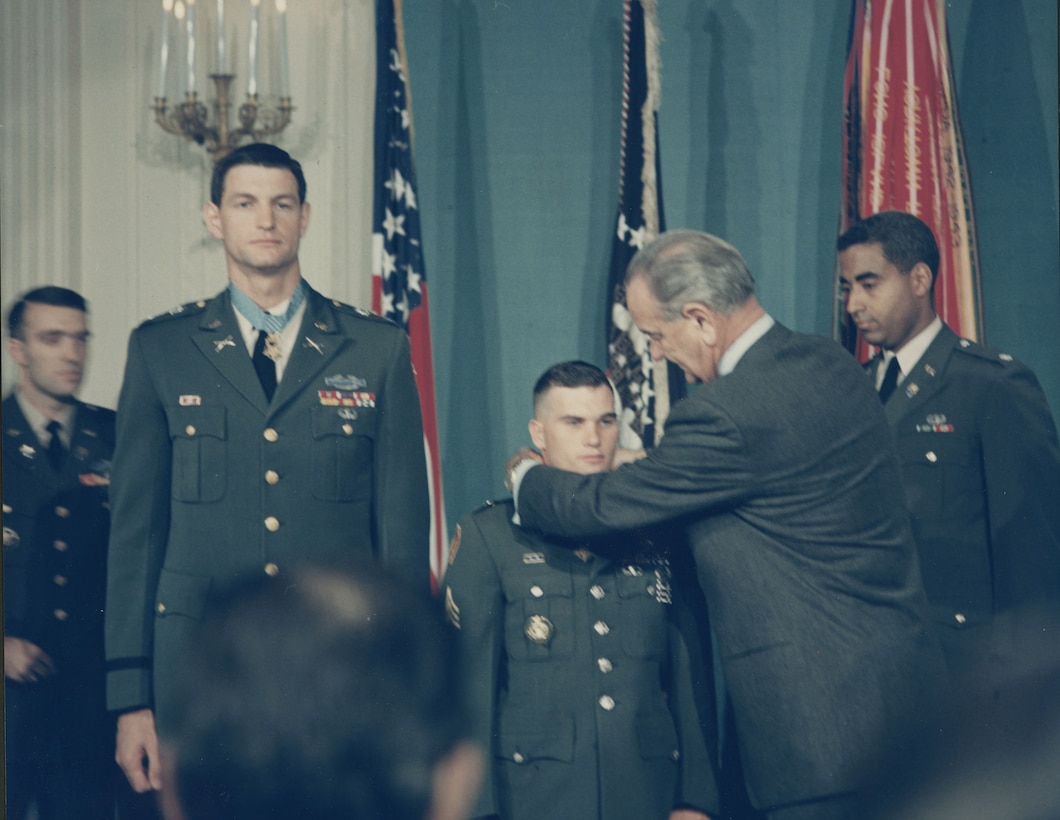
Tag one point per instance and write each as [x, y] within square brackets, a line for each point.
[902, 147]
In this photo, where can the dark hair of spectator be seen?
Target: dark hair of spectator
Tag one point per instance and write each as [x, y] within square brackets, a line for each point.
[46, 295]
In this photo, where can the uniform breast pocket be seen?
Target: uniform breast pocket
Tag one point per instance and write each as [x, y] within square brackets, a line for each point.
[941, 474]
[540, 613]
[343, 453]
[198, 436]
[644, 615]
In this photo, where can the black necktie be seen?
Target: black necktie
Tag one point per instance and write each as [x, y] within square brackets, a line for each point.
[56, 448]
[265, 366]
[890, 380]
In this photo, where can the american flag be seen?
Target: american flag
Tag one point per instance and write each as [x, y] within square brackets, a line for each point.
[399, 282]
[902, 147]
[645, 388]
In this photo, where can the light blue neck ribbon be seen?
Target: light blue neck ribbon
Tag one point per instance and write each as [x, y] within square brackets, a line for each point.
[261, 319]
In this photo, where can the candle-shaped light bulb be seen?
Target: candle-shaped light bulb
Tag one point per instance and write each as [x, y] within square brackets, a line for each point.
[285, 85]
[252, 83]
[221, 36]
[163, 66]
[191, 46]
[180, 12]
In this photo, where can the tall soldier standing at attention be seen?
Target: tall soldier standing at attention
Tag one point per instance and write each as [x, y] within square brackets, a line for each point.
[264, 426]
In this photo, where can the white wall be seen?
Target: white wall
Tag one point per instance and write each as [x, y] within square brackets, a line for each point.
[96, 197]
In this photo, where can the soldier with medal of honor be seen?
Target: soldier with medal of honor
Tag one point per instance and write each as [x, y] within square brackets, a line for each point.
[262, 428]
[583, 673]
[978, 449]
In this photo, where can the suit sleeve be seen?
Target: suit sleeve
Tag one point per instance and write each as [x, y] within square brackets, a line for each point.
[475, 605]
[140, 495]
[1021, 465]
[700, 464]
[691, 695]
[401, 500]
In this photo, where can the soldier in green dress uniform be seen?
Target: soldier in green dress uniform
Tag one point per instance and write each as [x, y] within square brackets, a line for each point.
[582, 670]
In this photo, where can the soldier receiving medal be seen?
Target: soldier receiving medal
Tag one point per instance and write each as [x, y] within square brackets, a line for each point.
[582, 671]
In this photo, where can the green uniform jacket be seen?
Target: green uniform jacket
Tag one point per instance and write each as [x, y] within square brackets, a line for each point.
[580, 678]
[981, 468]
[212, 483]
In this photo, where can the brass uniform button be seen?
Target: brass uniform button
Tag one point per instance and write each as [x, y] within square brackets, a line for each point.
[597, 591]
[272, 570]
[960, 618]
[536, 591]
[60, 615]
[271, 435]
[607, 703]
[272, 477]
[62, 512]
[161, 608]
[604, 664]
[601, 628]
[272, 523]
[61, 546]
[190, 429]
[347, 429]
[60, 580]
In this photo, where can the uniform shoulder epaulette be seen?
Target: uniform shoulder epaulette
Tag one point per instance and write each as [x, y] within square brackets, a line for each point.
[984, 353]
[96, 409]
[360, 313]
[187, 309]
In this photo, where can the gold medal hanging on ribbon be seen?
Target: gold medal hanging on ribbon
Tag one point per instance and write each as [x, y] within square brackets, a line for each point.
[272, 346]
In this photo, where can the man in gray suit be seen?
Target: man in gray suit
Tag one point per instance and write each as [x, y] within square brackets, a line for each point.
[782, 469]
[264, 427]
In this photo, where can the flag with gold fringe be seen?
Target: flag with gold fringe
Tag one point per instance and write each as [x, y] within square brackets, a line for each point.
[645, 388]
[399, 282]
[902, 147]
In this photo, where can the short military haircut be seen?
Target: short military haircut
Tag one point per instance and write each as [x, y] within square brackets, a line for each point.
[905, 240]
[46, 295]
[324, 692]
[681, 267]
[257, 153]
[569, 374]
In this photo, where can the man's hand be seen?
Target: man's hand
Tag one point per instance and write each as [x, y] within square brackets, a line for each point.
[137, 740]
[521, 455]
[25, 662]
[687, 814]
[623, 456]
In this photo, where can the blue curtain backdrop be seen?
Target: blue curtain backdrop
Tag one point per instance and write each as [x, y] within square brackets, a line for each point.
[517, 135]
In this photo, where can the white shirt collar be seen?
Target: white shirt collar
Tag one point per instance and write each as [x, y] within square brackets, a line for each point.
[731, 357]
[38, 422]
[912, 351]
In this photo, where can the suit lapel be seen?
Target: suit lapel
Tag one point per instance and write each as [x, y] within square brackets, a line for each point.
[317, 344]
[920, 385]
[221, 343]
